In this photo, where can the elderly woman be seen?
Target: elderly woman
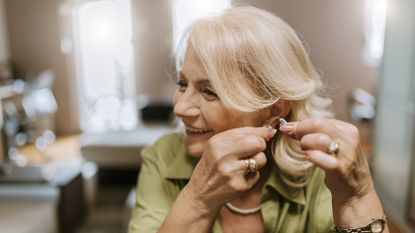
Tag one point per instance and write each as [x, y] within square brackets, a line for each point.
[239, 166]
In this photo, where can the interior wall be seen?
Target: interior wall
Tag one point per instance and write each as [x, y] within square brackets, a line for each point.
[4, 50]
[34, 37]
[152, 38]
[333, 31]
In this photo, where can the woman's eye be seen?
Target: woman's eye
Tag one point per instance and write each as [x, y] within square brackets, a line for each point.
[209, 94]
[182, 85]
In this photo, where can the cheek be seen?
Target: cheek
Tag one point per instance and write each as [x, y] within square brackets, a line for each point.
[219, 118]
[225, 119]
[256, 119]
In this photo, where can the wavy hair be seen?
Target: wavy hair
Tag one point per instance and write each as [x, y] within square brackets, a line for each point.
[253, 60]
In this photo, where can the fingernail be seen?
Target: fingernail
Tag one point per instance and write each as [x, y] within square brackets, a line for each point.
[273, 132]
[287, 127]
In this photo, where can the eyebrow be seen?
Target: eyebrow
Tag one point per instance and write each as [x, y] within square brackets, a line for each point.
[202, 82]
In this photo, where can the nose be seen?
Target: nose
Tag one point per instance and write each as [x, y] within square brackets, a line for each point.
[185, 105]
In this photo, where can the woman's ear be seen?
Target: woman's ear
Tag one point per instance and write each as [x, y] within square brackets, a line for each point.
[281, 109]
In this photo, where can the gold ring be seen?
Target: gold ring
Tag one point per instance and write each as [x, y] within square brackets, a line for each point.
[247, 165]
[252, 165]
[334, 148]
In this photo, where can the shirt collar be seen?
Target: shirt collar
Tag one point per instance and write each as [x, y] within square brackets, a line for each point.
[182, 166]
[293, 194]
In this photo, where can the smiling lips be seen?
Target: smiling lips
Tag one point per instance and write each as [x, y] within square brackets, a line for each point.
[195, 132]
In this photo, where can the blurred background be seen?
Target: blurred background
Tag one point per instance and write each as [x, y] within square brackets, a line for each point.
[86, 84]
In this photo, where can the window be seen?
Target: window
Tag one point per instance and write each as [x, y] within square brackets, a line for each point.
[186, 11]
[104, 56]
[375, 17]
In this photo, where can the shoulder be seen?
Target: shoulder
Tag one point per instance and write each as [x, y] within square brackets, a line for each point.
[165, 150]
[164, 146]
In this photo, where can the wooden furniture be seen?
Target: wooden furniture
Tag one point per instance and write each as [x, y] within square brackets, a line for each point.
[65, 149]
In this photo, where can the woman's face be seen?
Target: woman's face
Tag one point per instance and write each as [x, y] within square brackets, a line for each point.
[201, 111]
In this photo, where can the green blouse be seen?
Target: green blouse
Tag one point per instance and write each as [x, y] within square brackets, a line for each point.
[166, 169]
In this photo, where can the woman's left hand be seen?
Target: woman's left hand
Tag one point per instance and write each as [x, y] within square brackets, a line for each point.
[347, 170]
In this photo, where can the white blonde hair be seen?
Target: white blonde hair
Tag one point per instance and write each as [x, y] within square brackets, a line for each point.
[254, 59]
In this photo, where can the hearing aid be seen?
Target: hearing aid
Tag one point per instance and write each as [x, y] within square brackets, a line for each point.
[281, 120]
[270, 142]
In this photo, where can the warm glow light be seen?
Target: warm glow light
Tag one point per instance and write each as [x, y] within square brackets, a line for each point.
[376, 11]
[105, 56]
[103, 30]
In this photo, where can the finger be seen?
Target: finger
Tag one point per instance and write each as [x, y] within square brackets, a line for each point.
[323, 160]
[248, 146]
[243, 165]
[241, 142]
[260, 159]
[338, 123]
[252, 179]
[315, 141]
[297, 129]
[264, 132]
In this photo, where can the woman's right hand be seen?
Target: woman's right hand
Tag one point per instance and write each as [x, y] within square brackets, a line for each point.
[221, 174]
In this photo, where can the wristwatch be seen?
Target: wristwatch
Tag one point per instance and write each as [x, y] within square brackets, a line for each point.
[375, 226]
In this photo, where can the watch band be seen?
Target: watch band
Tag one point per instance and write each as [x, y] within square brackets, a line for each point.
[375, 226]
